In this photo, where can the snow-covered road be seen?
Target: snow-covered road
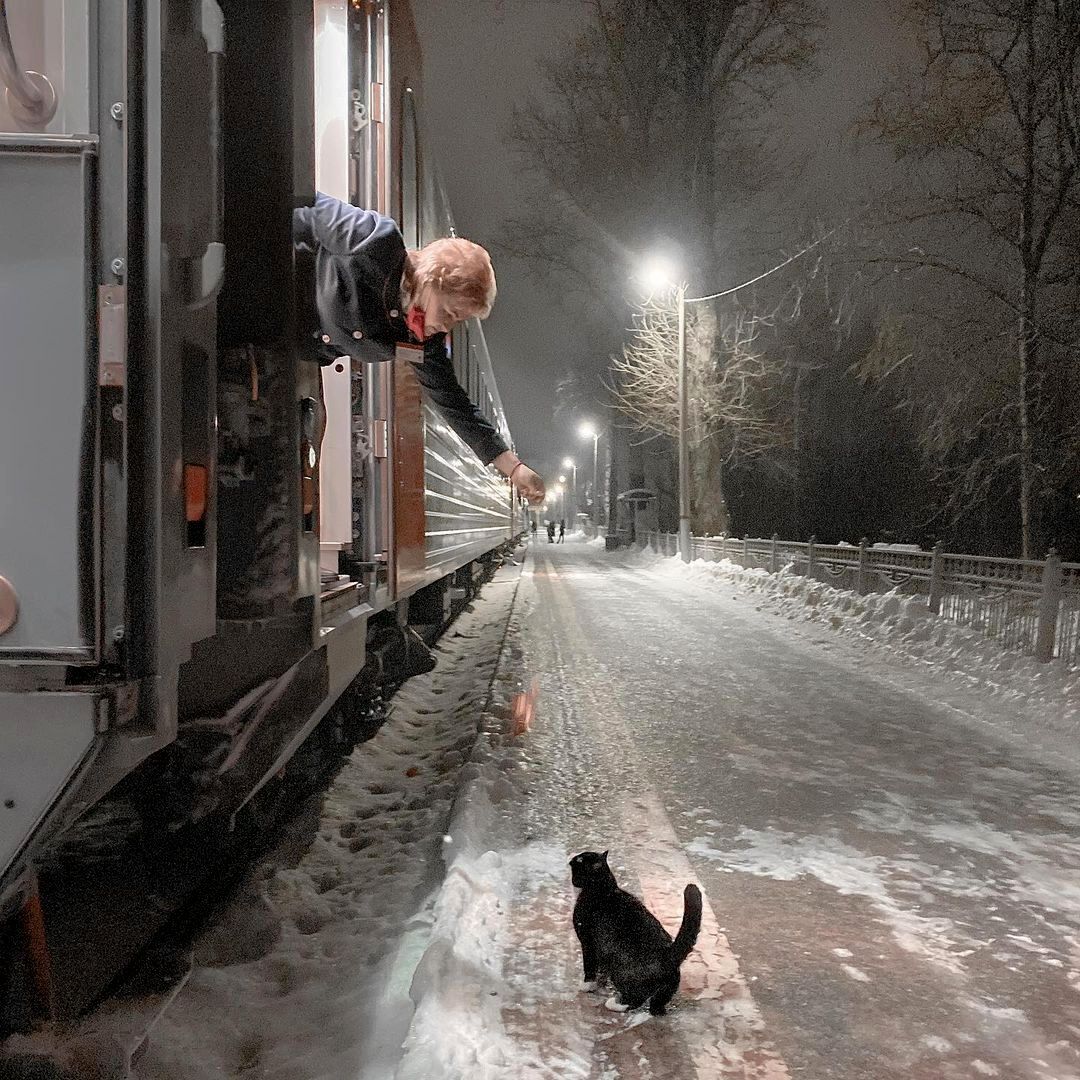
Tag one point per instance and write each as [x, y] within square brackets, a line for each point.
[897, 887]
[891, 878]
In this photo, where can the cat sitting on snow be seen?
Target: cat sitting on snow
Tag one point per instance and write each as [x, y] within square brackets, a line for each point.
[622, 940]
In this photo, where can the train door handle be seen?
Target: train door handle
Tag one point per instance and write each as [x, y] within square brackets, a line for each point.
[309, 460]
[208, 269]
[380, 439]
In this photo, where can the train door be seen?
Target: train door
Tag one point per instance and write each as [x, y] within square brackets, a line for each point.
[410, 519]
[56, 246]
[352, 164]
[370, 180]
[50, 156]
[332, 177]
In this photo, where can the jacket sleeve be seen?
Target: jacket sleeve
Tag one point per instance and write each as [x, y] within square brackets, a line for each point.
[335, 226]
[436, 375]
[303, 229]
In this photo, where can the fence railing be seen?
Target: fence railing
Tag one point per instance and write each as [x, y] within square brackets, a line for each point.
[1027, 605]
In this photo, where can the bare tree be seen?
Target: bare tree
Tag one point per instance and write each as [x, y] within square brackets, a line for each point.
[652, 131]
[650, 128]
[987, 124]
[735, 388]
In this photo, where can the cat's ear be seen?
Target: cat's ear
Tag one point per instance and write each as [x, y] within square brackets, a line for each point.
[603, 857]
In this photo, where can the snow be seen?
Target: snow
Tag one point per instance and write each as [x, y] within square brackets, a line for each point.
[855, 973]
[314, 968]
[417, 924]
[1045, 698]
[787, 857]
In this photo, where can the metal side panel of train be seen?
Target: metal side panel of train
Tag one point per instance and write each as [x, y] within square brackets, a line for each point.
[466, 506]
[187, 587]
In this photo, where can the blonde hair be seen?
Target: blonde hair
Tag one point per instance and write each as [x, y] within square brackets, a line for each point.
[455, 268]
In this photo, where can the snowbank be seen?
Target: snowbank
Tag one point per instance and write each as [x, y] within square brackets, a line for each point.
[308, 973]
[370, 942]
[458, 987]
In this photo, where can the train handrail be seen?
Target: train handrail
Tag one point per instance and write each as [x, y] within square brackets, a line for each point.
[30, 94]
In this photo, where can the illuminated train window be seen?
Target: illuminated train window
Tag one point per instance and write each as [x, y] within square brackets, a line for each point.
[410, 173]
[461, 354]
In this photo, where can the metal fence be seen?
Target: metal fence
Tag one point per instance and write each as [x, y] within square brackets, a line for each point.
[1027, 605]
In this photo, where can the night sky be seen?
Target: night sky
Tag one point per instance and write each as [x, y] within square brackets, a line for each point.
[481, 59]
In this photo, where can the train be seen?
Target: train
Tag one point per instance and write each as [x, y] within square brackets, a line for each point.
[193, 583]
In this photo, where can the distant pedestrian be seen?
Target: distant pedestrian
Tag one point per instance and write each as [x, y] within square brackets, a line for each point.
[551, 532]
[532, 526]
[562, 529]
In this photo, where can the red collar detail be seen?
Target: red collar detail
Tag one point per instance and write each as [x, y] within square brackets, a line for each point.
[414, 320]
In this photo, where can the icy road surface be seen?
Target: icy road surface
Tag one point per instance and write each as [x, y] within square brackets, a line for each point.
[891, 890]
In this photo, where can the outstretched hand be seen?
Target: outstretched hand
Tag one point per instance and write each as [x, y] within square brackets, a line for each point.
[521, 476]
[529, 484]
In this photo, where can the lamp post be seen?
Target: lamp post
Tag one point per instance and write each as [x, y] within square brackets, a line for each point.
[588, 431]
[660, 275]
[684, 441]
[568, 463]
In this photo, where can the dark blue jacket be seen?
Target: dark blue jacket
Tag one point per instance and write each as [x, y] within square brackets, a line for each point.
[359, 259]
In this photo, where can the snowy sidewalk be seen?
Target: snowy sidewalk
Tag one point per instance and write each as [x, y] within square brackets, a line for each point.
[893, 890]
[501, 997]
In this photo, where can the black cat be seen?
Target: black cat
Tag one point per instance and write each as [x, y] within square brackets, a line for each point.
[621, 939]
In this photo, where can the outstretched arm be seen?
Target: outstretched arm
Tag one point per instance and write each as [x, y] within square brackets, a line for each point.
[436, 375]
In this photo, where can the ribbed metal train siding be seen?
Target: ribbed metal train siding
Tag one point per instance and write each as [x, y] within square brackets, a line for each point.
[467, 507]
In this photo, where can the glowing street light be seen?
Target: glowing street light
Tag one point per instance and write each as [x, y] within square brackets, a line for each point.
[588, 431]
[659, 275]
[568, 463]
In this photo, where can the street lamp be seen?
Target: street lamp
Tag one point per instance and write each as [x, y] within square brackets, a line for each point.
[568, 463]
[658, 275]
[561, 492]
[588, 431]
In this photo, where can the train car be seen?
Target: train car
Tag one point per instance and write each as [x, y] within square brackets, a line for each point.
[192, 582]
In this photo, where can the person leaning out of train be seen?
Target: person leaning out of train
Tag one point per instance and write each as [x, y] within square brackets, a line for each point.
[372, 295]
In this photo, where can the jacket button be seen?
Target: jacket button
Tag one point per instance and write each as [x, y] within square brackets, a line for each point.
[358, 334]
[394, 314]
[326, 339]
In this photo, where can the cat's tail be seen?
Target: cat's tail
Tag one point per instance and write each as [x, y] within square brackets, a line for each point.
[691, 924]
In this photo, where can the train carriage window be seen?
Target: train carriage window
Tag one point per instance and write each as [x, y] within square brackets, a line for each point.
[410, 173]
[459, 352]
[466, 350]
